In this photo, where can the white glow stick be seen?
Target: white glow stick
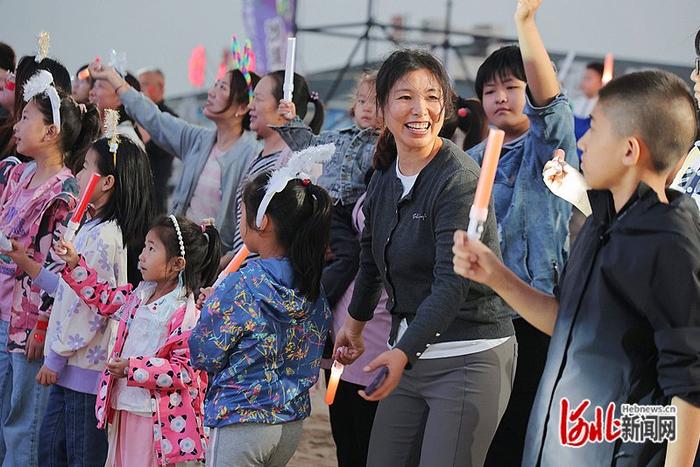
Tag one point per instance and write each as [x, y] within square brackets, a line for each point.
[288, 87]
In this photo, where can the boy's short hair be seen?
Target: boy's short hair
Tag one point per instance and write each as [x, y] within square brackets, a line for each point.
[598, 67]
[501, 63]
[656, 106]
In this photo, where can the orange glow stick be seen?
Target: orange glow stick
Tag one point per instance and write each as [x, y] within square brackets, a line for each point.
[336, 371]
[608, 67]
[233, 265]
[84, 74]
[480, 209]
[74, 222]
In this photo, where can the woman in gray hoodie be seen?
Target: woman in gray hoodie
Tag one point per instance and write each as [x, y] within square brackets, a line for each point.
[214, 160]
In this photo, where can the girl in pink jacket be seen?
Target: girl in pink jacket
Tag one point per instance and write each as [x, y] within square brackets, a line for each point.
[149, 395]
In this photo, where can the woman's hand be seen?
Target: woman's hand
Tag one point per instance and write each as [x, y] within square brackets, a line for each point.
[46, 377]
[287, 110]
[107, 73]
[395, 360]
[66, 251]
[118, 367]
[204, 294]
[350, 339]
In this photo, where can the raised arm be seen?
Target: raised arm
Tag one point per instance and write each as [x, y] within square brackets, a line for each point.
[167, 131]
[541, 78]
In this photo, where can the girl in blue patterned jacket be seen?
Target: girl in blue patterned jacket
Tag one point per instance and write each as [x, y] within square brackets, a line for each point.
[262, 330]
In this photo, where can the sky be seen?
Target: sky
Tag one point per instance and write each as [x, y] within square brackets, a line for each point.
[162, 33]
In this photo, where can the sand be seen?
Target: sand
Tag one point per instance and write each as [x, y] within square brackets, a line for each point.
[316, 448]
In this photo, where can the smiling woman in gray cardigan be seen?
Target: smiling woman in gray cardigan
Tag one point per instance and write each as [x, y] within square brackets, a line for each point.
[452, 361]
[227, 107]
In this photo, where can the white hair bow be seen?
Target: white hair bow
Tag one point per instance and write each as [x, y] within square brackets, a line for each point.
[305, 164]
[42, 83]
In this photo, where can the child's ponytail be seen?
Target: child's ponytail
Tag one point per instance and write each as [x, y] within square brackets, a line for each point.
[202, 249]
[308, 248]
[89, 130]
[301, 216]
[210, 265]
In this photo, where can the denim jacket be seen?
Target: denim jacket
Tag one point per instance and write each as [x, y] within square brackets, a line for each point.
[533, 223]
[344, 174]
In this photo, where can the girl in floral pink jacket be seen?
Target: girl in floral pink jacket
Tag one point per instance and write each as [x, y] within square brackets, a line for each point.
[149, 394]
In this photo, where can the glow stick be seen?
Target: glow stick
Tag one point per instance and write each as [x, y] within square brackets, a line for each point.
[84, 74]
[74, 222]
[288, 87]
[233, 265]
[480, 209]
[5, 243]
[608, 67]
[336, 371]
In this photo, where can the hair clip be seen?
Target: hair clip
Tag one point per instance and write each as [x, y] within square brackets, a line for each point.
[179, 235]
[42, 46]
[10, 84]
[243, 60]
[110, 125]
[462, 112]
[313, 96]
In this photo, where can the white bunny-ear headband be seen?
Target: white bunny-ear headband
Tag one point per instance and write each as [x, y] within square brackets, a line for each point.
[42, 83]
[303, 165]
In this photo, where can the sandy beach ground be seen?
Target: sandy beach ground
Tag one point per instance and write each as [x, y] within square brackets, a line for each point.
[316, 448]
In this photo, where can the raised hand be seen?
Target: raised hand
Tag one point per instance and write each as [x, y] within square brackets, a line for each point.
[287, 110]
[566, 182]
[526, 9]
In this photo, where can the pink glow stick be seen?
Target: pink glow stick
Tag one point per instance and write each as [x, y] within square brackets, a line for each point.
[74, 222]
[480, 209]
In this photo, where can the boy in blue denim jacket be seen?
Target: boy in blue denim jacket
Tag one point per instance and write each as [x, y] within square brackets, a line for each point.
[520, 94]
[344, 178]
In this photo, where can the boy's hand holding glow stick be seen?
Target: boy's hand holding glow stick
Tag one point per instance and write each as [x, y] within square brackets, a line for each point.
[566, 182]
[74, 222]
[480, 209]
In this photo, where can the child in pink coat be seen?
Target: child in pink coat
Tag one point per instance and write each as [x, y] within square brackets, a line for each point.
[149, 394]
